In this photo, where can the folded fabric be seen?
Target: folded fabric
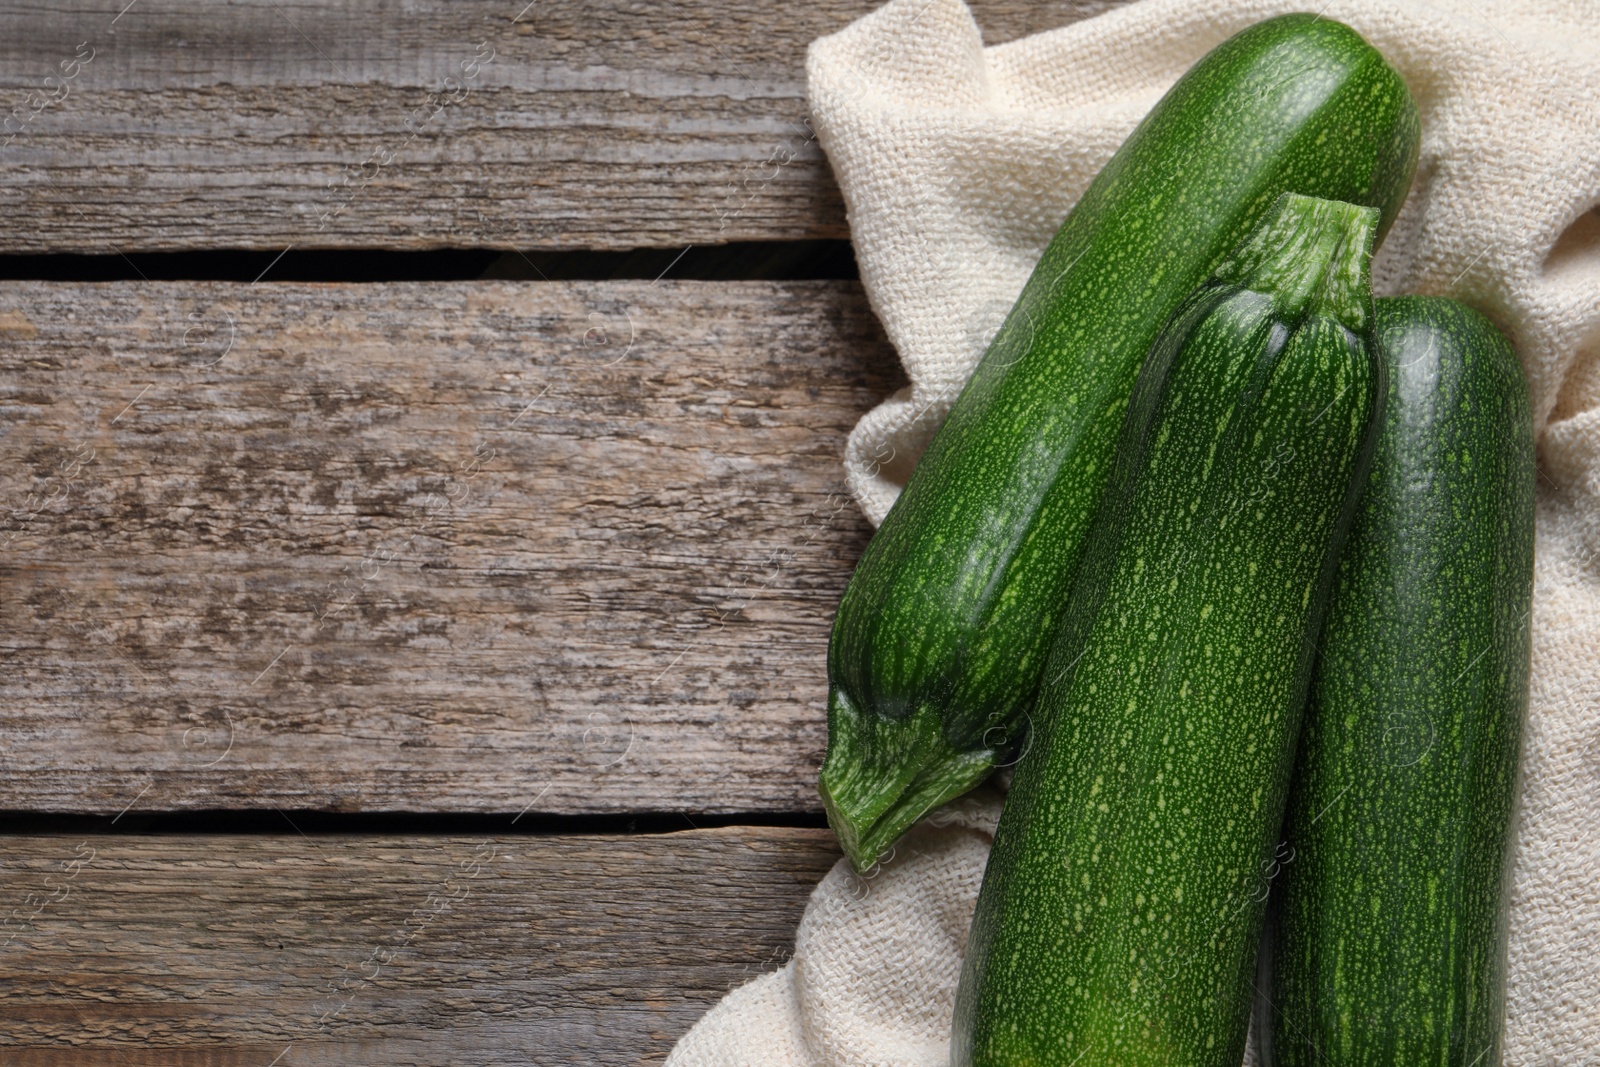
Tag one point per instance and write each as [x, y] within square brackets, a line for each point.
[957, 163]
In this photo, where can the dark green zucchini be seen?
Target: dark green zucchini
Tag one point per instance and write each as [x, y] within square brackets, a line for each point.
[1387, 940]
[942, 634]
[1121, 907]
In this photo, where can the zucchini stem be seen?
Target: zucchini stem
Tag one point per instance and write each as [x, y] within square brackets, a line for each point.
[1313, 257]
[881, 775]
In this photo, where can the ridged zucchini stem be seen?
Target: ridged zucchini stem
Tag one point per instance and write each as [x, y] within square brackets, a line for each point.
[881, 775]
[1313, 256]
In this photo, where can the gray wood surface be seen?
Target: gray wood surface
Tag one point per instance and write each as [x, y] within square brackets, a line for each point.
[462, 123]
[295, 950]
[478, 546]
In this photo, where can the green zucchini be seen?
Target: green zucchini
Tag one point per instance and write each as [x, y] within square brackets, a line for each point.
[1121, 907]
[1387, 940]
[942, 634]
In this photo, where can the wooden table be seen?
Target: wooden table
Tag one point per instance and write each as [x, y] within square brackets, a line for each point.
[425, 671]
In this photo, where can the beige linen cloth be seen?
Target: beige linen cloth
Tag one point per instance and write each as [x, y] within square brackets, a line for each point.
[957, 163]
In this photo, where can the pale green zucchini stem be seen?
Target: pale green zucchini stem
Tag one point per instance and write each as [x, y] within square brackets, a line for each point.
[1311, 256]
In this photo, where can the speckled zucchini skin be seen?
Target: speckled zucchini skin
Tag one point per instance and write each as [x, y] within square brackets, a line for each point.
[941, 636]
[1387, 944]
[1121, 907]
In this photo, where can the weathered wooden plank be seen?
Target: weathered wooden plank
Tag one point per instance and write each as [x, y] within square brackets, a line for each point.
[475, 546]
[211, 950]
[489, 123]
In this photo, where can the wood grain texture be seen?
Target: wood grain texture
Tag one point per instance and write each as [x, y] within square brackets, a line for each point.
[480, 546]
[211, 950]
[271, 123]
